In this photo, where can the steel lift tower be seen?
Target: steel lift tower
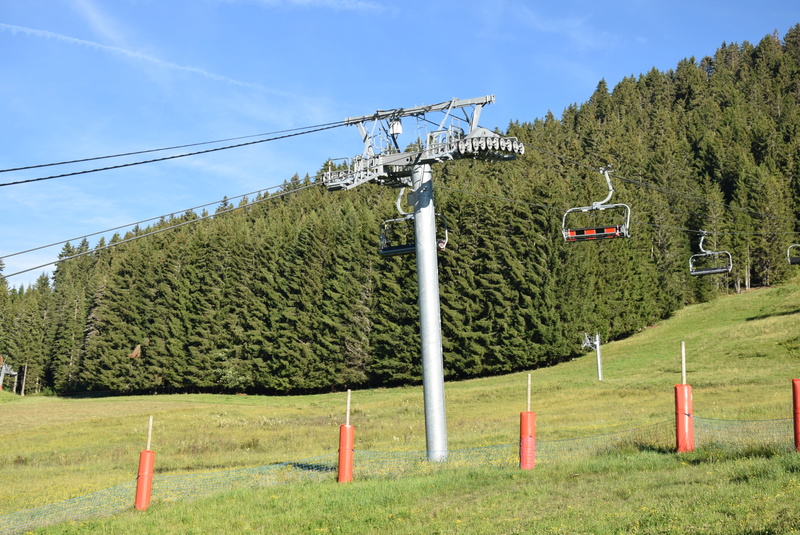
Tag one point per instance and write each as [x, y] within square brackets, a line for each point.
[455, 135]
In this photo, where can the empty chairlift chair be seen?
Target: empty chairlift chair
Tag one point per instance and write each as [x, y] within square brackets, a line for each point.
[600, 220]
[710, 262]
[793, 254]
[391, 238]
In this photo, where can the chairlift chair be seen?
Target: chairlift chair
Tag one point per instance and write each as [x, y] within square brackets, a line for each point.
[793, 256]
[613, 226]
[710, 262]
[387, 239]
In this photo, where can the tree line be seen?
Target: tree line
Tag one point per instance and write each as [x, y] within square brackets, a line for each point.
[285, 293]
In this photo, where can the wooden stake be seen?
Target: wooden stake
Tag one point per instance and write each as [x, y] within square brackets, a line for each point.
[599, 356]
[149, 432]
[347, 418]
[24, 378]
[683, 362]
[528, 407]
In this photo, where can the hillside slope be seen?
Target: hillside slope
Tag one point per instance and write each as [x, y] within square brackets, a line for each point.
[742, 352]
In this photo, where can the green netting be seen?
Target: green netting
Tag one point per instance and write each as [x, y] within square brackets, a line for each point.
[657, 436]
[101, 503]
[740, 434]
[744, 434]
[392, 464]
[167, 488]
[181, 487]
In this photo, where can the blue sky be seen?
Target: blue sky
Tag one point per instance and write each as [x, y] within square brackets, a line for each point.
[87, 78]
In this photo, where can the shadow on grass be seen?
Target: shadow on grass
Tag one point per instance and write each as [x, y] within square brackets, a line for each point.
[774, 315]
[716, 452]
[314, 467]
[712, 452]
[638, 446]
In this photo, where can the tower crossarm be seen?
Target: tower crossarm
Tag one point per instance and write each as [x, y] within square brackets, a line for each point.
[419, 111]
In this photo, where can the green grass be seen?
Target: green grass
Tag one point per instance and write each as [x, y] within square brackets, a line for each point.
[742, 352]
[625, 493]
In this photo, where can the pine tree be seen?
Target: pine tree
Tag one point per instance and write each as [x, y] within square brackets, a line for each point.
[71, 294]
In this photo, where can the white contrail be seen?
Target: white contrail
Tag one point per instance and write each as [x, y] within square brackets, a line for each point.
[135, 55]
[352, 5]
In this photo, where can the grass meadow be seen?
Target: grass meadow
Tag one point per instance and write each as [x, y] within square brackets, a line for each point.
[742, 352]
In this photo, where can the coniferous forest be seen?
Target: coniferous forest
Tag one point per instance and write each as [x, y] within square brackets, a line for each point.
[288, 294]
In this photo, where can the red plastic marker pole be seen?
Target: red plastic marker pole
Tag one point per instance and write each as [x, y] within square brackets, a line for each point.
[684, 423]
[527, 440]
[796, 400]
[346, 444]
[144, 482]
